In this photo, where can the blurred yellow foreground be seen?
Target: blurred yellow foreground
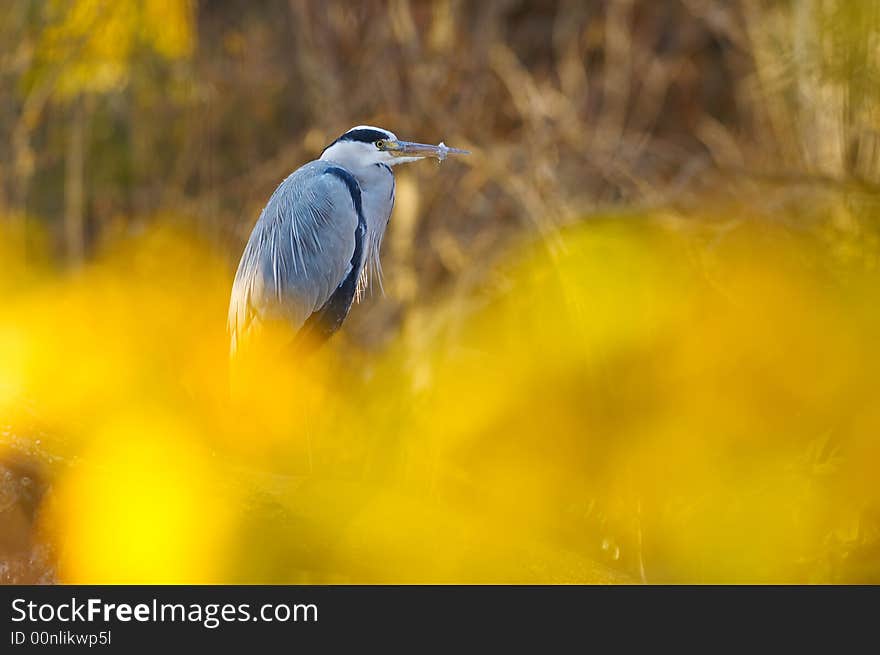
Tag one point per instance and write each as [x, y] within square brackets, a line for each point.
[636, 403]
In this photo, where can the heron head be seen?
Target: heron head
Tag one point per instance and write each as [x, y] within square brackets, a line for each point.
[366, 145]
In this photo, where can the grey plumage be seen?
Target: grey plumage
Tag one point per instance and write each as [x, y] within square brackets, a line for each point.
[315, 247]
[298, 253]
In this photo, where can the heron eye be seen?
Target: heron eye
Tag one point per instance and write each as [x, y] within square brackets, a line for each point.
[380, 144]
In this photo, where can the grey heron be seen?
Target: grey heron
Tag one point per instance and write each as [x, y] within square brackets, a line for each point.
[315, 246]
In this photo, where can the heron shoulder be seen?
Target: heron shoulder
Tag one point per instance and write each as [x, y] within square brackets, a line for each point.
[308, 184]
[303, 247]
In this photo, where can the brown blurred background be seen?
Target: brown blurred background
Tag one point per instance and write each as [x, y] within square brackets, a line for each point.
[117, 114]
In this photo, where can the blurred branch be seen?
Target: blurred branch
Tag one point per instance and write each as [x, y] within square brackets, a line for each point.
[74, 182]
[849, 184]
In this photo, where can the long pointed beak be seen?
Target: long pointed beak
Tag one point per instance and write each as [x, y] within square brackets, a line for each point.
[411, 149]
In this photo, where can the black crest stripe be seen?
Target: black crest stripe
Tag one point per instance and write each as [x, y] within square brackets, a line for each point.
[364, 135]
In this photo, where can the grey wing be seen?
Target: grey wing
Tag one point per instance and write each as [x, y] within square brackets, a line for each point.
[303, 247]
